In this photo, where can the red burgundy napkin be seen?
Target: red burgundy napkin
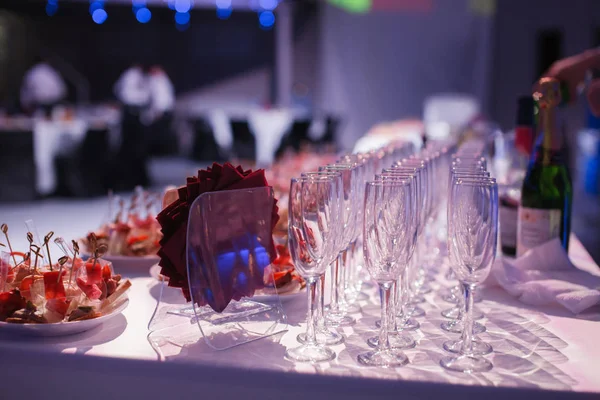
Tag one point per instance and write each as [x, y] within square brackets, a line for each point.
[173, 219]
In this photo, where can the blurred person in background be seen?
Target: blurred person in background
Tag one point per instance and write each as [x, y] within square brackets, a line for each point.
[161, 93]
[42, 88]
[132, 89]
[159, 114]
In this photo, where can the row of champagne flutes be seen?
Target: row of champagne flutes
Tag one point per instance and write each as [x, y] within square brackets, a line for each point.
[352, 170]
[346, 204]
[407, 196]
[325, 229]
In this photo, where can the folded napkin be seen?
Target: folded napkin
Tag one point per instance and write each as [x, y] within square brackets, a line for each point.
[174, 225]
[545, 276]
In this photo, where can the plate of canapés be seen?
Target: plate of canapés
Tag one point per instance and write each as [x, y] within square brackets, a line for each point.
[46, 296]
[131, 234]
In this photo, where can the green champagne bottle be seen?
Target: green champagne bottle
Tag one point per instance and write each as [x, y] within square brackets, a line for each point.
[547, 193]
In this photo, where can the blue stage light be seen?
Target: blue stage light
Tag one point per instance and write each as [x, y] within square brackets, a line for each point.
[95, 5]
[99, 16]
[182, 6]
[182, 18]
[266, 19]
[143, 15]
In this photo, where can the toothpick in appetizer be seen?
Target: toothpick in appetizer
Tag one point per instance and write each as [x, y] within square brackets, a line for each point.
[4, 228]
[46, 240]
[61, 261]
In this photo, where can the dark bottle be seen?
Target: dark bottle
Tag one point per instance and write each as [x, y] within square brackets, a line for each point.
[520, 144]
[546, 194]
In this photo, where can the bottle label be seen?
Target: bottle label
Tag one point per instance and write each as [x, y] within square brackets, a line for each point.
[508, 226]
[535, 227]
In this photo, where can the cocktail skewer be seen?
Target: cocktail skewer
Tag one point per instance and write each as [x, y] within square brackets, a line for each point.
[30, 240]
[4, 228]
[26, 257]
[46, 240]
[75, 253]
[61, 261]
[33, 229]
[94, 248]
[36, 250]
[119, 215]
[60, 242]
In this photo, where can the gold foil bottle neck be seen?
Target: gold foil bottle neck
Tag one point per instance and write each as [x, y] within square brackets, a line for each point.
[548, 97]
[548, 93]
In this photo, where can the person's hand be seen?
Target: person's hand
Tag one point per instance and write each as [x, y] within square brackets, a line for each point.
[573, 70]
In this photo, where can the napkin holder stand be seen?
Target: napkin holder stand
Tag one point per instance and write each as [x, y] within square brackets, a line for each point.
[238, 221]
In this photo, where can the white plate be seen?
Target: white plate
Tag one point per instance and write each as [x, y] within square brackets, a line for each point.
[288, 292]
[60, 328]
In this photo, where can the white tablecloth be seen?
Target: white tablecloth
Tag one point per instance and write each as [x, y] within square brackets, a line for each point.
[50, 136]
[47, 138]
[543, 348]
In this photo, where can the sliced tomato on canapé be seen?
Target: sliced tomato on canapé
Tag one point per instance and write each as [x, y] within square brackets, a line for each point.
[53, 285]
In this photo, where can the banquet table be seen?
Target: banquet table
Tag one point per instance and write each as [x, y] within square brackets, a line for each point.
[540, 352]
[267, 125]
[55, 135]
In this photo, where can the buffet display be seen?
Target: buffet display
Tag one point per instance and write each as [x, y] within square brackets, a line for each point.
[395, 219]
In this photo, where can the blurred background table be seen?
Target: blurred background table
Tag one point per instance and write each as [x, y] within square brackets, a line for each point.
[88, 134]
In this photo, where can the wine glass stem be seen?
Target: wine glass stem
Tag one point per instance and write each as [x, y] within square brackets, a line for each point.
[467, 336]
[393, 306]
[319, 322]
[342, 275]
[461, 302]
[404, 293]
[385, 293]
[351, 275]
[311, 337]
[335, 282]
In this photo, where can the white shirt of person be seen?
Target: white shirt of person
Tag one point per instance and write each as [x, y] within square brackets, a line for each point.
[42, 85]
[162, 93]
[132, 88]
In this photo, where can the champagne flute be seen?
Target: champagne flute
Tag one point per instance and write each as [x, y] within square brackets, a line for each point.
[399, 303]
[387, 235]
[311, 236]
[337, 315]
[326, 335]
[349, 294]
[472, 241]
[455, 294]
